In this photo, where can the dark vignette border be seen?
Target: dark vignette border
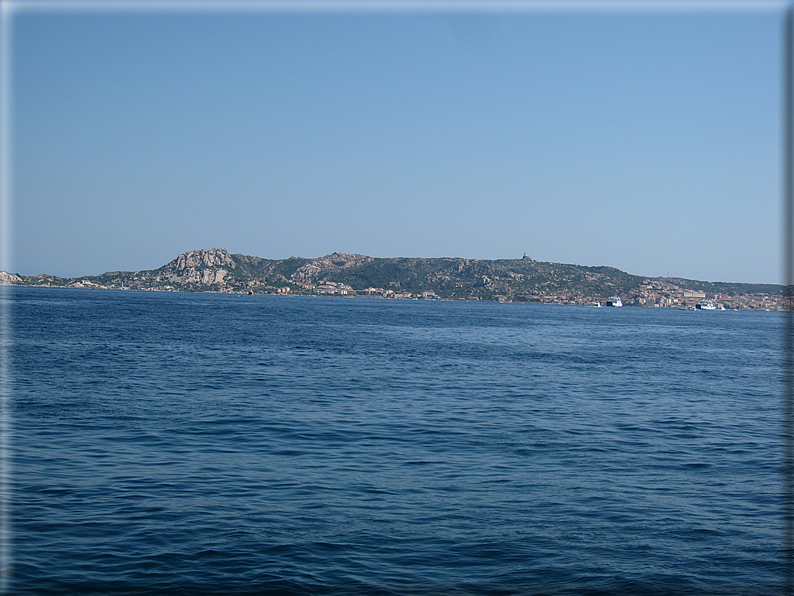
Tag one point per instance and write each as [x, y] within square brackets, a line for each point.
[787, 467]
[788, 276]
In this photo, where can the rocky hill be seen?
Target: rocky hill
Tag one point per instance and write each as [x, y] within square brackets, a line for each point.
[216, 270]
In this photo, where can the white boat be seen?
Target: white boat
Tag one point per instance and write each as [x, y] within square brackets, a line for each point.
[614, 301]
[705, 305]
[597, 304]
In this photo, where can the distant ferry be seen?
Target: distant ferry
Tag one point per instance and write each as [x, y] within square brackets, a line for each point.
[705, 305]
[614, 301]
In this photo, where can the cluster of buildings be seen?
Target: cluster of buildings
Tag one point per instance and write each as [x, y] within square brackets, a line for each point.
[328, 287]
[663, 294]
[340, 289]
[659, 294]
[651, 294]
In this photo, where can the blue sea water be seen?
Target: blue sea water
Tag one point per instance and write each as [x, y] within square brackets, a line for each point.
[171, 443]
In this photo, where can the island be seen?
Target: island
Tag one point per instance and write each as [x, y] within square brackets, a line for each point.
[444, 278]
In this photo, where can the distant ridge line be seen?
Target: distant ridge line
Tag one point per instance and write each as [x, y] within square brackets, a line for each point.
[452, 278]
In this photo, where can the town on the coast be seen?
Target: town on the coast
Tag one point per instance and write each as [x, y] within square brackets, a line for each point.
[444, 278]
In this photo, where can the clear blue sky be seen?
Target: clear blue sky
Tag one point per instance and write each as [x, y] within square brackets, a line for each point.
[646, 141]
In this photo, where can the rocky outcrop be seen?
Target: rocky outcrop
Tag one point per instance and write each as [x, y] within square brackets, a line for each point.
[204, 277]
[329, 265]
[194, 259]
[209, 267]
[9, 279]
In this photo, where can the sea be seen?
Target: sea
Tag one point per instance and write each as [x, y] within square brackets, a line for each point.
[196, 443]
